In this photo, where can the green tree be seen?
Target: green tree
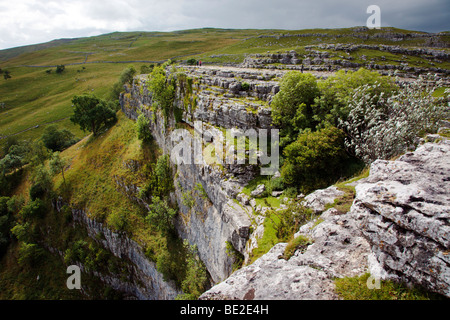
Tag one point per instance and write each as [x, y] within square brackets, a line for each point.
[58, 164]
[42, 182]
[161, 215]
[5, 224]
[143, 128]
[195, 280]
[30, 253]
[292, 105]
[162, 89]
[315, 159]
[92, 113]
[126, 77]
[337, 91]
[60, 68]
[57, 140]
[6, 74]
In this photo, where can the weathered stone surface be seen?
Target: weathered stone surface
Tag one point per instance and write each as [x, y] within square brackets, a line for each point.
[258, 191]
[319, 198]
[338, 250]
[403, 209]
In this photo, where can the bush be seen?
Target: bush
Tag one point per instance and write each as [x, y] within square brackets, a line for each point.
[143, 128]
[60, 68]
[336, 93]
[161, 215]
[315, 159]
[33, 209]
[245, 86]
[381, 127]
[163, 91]
[57, 140]
[30, 253]
[292, 105]
[5, 224]
[191, 62]
[195, 280]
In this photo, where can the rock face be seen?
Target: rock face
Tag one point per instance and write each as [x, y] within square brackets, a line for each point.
[398, 229]
[338, 250]
[145, 282]
[403, 209]
[317, 200]
[210, 220]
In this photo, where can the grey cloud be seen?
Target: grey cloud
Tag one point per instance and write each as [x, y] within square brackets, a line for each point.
[96, 17]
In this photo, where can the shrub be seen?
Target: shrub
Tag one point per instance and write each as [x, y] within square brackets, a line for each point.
[161, 215]
[143, 128]
[238, 258]
[195, 280]
[292, 105]
[381, 127]
[245, 86]
[336, 93]
[60, 69]
[57, 140]
[191, 62]
[162, 89]
[286, 222]
[34, 208]
[315, 159]
[30, 253]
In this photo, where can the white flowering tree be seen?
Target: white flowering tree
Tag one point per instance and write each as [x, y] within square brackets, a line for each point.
[381, 127]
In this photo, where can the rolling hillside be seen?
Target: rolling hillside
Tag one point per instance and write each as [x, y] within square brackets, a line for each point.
[36, 96]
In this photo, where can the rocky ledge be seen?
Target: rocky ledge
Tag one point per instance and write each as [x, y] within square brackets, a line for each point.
[403, 210]
[397, 228]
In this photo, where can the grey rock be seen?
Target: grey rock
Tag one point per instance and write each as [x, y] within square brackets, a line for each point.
[403, 209]
[319, 198]
[258, 191]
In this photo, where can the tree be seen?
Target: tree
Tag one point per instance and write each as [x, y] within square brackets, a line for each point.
[162, 89]
[6, 74]
[92, 113]
[161, 215]
[41, 182]
[126, 77]
[58, 164]
[57, 140]
[292, 105]
[60, 69]
[336, 93]
[5, 224]
[381, 127]
[143, 129]
[195, 280]
[191, 62]
[315, 159]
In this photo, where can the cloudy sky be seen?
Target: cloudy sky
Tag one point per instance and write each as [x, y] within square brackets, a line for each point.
[25, 22]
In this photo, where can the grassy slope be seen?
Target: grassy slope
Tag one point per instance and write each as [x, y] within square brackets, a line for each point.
[33, 98]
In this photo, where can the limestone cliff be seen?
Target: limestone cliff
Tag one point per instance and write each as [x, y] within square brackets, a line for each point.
[397, 229]
[213, 221]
